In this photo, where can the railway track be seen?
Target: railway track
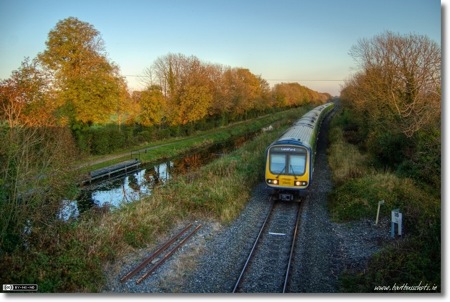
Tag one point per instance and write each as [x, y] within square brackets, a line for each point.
[268, 264]
[174, 244]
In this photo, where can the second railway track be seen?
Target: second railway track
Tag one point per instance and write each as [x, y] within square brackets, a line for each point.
[175, 243]
[266, 270]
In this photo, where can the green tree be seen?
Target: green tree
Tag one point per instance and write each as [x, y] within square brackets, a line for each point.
[35, 175]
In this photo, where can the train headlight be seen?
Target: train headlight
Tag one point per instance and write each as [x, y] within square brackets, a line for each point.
[297, 183]
[300, 183]
[275, 182]
[272, 181]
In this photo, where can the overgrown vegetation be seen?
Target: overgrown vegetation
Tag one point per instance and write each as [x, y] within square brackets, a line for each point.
[386, 145]
[35, 175]
[70, 257]
[359, 185]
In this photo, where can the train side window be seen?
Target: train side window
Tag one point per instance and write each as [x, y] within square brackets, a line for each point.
[297, 164]
[277, 163]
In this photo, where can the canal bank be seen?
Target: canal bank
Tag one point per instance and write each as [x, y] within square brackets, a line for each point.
[129, 181]
[160, 150]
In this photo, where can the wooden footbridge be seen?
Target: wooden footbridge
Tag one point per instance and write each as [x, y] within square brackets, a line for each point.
[112, 171]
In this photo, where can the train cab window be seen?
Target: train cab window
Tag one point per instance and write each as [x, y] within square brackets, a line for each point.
[297, 164]
[277, 163]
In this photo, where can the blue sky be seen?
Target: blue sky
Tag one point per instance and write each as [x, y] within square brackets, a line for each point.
[281, 40]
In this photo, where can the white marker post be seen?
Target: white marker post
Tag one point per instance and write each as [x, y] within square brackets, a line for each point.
[396, 218]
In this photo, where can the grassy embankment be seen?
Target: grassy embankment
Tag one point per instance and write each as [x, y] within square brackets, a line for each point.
[170, 148]
[415, 258]
[71, 257]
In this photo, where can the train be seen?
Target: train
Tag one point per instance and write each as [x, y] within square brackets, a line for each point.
[290, 159]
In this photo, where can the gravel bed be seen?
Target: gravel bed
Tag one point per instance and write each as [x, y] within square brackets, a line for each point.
[208, 263]
[212, 259]
[267, 268]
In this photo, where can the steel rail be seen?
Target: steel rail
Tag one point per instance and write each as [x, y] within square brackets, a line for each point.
[292, 249]
[155, 254]
[250, 255]
[160, 262]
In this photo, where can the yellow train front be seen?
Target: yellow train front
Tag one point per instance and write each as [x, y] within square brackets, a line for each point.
[290, 159]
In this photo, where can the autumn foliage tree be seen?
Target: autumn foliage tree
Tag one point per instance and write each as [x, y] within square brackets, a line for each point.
[194, 90]
[25, 98]
[152, 105]
[88, 86]
[246, 90]
[294, 94]
[192, 96]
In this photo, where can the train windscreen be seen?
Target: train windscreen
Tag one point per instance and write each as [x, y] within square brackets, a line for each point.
[288, 161]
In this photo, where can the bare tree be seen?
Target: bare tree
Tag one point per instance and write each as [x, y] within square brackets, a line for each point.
[401, 74]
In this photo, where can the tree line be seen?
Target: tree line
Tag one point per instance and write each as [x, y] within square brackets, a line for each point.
[73, 83]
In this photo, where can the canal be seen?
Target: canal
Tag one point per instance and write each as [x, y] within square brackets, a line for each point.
[112, 193]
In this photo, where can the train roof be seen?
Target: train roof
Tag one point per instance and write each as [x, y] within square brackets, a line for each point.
[302, 132]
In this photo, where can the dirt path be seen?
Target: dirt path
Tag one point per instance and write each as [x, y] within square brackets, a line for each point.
[112, 157]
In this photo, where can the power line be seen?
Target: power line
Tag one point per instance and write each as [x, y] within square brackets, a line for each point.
[278, 80]
[304, 80]
[135, 76]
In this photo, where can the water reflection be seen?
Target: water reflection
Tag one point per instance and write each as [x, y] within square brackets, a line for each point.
[69, 209]
[133, 186]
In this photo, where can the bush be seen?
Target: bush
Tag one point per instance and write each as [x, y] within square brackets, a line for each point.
[424, 162]
[345, 160]
[389, 148]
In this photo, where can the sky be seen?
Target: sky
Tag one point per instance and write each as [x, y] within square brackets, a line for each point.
[281, 40]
